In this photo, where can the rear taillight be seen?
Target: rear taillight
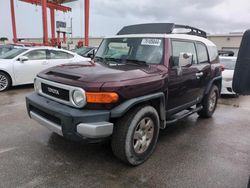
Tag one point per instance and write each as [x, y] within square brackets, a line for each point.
[222, 67]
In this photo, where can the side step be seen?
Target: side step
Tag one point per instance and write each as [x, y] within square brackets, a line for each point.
[182, 116]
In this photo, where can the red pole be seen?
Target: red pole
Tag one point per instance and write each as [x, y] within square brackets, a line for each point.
[64, 38]
[45, 24]
[58, 37]
[13, 19]
[86, 17]
[52, 20]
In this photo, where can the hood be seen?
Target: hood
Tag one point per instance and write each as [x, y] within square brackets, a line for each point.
[99, 72]
[93, 76]
[5, 62]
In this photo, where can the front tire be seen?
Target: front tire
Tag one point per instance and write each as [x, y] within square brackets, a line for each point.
[135, 135]
[5, 81]
[209, 103]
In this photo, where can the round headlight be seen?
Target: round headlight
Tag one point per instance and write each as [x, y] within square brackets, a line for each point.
[78, 98]
[36, 85]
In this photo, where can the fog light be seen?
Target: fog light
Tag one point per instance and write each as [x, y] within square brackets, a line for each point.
[78, 98]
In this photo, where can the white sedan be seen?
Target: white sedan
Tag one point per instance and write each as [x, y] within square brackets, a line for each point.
[227, 75]
[21, 65]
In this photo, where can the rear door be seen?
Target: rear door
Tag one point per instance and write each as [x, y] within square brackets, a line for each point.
[204, 68]
[184, 87]
[58, 57]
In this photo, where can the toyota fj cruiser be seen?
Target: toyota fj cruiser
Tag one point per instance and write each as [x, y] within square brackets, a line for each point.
[143, 79]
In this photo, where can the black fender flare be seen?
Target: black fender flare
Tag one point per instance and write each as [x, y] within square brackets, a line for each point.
[211, 84]
[121, 109]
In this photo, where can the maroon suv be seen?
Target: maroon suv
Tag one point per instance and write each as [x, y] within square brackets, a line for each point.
[141, 80]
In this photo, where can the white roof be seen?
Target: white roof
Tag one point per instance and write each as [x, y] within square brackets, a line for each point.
[171, 36]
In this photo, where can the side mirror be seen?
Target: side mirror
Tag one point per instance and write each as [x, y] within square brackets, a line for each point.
[185, 59]
[91, 55]
[23, 58]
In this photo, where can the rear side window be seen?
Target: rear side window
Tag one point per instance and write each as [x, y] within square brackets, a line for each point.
[182, 47]
[60, 55]
[202, 53]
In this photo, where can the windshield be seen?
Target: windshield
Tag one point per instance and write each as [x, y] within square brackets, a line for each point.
[4, 49]
[229, 64]
[81, 50]
[12, 53]
[147, 50]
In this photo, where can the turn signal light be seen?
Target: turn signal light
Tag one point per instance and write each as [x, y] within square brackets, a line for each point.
[102, 97]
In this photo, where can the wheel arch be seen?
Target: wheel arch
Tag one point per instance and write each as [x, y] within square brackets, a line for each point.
[215, 81]
[5, 72]
[157, 100]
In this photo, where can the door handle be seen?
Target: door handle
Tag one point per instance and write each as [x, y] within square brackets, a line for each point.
[198, 75]
[45, 63]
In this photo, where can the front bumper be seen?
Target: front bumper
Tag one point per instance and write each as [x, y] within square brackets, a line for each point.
[74, 124]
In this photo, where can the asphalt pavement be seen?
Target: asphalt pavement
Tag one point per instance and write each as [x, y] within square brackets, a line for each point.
[192, 153]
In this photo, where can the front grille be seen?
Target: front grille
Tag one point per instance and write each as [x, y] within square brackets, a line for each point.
[56, 92]
[45, 115]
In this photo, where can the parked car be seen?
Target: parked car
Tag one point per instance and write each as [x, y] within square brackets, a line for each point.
[226, 53]
[21, 65]
[228, 64]
[143, 79]
[86, 51]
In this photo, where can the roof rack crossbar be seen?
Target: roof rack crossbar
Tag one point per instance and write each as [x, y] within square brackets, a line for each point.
[160, 28]
[194, 31]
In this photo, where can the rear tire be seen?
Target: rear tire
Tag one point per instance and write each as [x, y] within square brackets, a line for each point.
[135, 135]
[5, 81]
[209, 103]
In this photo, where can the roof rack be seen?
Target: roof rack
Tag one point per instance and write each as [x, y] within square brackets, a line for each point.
[160, 28]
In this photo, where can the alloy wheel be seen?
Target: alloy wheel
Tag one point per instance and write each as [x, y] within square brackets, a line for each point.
[143, 135]
[212, 101]
[3, 82]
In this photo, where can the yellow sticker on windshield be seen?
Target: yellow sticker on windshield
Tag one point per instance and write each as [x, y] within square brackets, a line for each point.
[151, 42]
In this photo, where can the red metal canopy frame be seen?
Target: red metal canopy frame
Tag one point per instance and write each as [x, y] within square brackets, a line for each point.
[56, 5]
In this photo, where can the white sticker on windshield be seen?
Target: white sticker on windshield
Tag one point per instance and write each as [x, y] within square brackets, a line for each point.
[151, 42]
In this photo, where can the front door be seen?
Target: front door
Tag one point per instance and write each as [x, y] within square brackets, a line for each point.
[184, 89]
[26, 71]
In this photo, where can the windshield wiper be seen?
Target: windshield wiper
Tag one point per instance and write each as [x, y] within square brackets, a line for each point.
[97, 58]
[106, 59]
[136, 62]
[112, 59]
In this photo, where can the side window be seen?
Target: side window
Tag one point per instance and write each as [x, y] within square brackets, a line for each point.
[36, 55]
[182, 47]
[202, 53]
[60, 55]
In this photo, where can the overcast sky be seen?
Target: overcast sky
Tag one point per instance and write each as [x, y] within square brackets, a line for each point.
[108, 16]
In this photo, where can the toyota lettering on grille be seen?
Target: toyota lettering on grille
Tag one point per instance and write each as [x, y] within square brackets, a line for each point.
[54, 91]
